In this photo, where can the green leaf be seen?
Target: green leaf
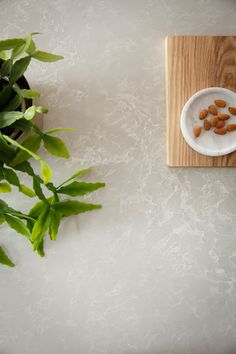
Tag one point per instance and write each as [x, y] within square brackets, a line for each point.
[1, 173]
[29, 93]
[27, 191]
[7, 118]
[18, 214]
[6, 148]
[5, 96]
[80, 188]
[37, 181]
[74, 207]
[55, 219]
[2, 219]
[22, 124]
[40, 249]
[51, 187]
[4, 259]
[11, 177]
[19, 68]
[27, 46]
[17, 225]
[11, 43]
[18, 51]
[46, 57]
[75, 175]
[32, 143]
[6, 67]
[30, 225]
[13, 142]
[13, 104]
[38, 189]
[40, 228]
[41, 110]
[5, 187]
[46, 172]
[21, 48]
[3, 157]
[26, 168]
[37, 209]
[3, 54]
[32, 48]
[55, 146]
[59, 130]
[3, 207]
[30, 113]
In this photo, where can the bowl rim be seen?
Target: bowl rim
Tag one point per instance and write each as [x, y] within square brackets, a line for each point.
[184, 129]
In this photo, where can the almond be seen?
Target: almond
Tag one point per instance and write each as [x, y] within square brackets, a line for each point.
[232, 110]
[223, 116]
[220, 131]
[213, 110]
[207, 125]
[197, 131]
[231, 127]
[203, 114]
[214, 120]
[220, 103]
[220, 124]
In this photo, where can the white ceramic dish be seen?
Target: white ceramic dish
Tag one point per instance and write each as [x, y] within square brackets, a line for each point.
[208, 143]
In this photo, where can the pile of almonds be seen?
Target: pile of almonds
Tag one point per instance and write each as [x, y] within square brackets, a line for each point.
[217, 119]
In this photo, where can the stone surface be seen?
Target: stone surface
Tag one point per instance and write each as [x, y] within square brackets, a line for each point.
[154, 270]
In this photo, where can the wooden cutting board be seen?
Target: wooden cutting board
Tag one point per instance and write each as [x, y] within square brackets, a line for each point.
[194, 63]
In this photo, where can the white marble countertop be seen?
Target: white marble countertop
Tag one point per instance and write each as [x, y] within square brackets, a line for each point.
[154, 271]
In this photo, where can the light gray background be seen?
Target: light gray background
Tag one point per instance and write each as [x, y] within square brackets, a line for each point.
[154, 270]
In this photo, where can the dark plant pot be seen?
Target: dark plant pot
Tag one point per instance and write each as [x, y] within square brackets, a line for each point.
[23, 84]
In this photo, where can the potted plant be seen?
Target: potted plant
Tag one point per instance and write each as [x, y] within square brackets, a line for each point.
[20, 139]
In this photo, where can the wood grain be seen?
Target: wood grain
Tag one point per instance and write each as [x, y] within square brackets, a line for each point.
[193, 63]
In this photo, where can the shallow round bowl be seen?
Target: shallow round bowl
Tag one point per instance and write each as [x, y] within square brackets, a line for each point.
[208, 143]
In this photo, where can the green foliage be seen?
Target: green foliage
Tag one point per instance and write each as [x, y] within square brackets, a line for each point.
[77, 174]
[74, 207]
[5, 187]
[32, 143]
[17, 225]
[54, 130]
[29, 93]
[38, 189]
[17, 112]
[7, 118]
[11, 43]
[5, 96]
[18, 69]
[6, 68]
[23, 124]
[55, 217]
[40, 228]
[46, 57]
[46, 171]
[41, 110]
[13, 142]
[55, 146]
[4, 259]
[75, 189]
[13, 104]
[30, 113]
[10, 176]
[27, 191]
